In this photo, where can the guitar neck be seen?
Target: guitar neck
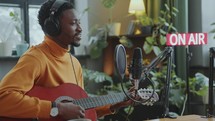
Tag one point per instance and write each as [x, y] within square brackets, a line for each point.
[92, 102]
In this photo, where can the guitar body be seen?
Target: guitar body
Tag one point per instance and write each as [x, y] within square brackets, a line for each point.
[69, 90]
[73, 93]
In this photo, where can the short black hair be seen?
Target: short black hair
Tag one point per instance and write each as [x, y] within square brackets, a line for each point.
[45, 12]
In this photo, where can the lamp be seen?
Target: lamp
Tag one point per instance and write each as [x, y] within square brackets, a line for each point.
[135, 6]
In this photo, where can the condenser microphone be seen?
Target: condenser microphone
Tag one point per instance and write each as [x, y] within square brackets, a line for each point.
[136, 66]
[120, 60]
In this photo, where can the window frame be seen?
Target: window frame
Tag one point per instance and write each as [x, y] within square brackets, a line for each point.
[24, 6]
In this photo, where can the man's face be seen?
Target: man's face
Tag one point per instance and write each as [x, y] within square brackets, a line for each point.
[70, 29]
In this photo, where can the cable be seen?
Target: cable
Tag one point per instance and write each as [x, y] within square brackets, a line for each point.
[137, 101]
[74, 69]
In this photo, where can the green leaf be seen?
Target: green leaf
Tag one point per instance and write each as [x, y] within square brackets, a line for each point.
[95, 52]
[162, 31]
[147, 48]
[162, 19]
[166, 24]
[174, 14]
[212, 31]
[176, 99]
[162, 12]
[150, 40]
[108, 3]
[170, 25]
[202, 91]
[174, 29]
[156, 50]
[213, 23]
[126, 42]
[169, 16]
[11, 14]
[167, 7]
[175, 9]
[162, 40]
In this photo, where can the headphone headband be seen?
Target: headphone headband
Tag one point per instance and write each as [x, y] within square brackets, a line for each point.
[52, 24]
[56, 5]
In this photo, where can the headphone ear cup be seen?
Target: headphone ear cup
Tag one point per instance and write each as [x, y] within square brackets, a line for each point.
[52, 26]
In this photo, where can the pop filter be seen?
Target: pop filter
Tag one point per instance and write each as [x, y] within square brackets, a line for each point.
[120, 60]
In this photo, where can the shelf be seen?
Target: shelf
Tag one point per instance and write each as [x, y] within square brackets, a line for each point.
[9, 58]
[16, 58]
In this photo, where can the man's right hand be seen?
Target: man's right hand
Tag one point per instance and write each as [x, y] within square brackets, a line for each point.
[68, 110]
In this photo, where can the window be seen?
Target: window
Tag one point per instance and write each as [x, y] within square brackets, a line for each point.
[7, 31]
[9, 37]
[27, 11]
[35, 32]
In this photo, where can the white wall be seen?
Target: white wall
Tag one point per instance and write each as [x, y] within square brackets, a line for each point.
[208, 17]
[81, 5]
[6, 66]
[201, 16]
[98, 14]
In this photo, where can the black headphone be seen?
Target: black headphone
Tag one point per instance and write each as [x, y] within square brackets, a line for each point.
[52, 24]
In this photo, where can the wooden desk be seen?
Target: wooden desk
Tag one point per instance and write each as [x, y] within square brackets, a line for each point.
[185, 118]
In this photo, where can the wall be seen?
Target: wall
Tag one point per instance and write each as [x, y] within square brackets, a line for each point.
[100, 15]
[80, 6]
[6, 66]
[201, 15]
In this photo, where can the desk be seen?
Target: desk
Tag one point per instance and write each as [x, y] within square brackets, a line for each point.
[185, 118]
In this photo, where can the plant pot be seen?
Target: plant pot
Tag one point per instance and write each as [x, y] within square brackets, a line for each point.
[114, 29]
[21, 48]
[146, 30]
[6, 48]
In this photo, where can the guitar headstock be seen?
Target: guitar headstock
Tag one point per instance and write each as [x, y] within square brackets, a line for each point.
[148, 96]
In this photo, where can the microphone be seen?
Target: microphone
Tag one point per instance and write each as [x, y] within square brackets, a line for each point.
[135, 72]
[120, 60]
[136, 67]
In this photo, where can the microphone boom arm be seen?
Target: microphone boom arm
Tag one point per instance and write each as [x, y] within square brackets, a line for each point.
[163, 55]
[167, 53]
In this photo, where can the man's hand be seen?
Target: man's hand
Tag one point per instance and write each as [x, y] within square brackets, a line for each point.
[120, 105]
[68, 110]
[125, 103]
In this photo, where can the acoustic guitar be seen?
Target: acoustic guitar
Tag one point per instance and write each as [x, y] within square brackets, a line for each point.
[73, 93]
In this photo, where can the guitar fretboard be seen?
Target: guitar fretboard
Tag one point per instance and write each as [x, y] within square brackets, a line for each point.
[92, 102]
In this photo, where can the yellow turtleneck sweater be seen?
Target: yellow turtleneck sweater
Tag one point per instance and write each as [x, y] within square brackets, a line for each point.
[47, 65]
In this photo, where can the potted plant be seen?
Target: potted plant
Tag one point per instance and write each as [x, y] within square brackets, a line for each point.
[98, 34]
[95, 82]
[97, 42]
[178, 97]
[6, 43]
[157, 41]
[113, 28]
[22, 46]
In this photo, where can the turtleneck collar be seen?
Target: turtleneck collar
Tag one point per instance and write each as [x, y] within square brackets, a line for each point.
[55, 49]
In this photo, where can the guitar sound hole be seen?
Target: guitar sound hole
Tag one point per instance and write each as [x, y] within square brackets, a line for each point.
[64, 99]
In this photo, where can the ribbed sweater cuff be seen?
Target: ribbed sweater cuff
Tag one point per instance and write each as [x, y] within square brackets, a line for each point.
[45, 108]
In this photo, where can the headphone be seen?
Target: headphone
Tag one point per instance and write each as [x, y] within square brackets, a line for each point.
[52, 24]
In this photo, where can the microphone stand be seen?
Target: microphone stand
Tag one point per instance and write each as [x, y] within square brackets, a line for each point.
[167, 53]
[210, 109]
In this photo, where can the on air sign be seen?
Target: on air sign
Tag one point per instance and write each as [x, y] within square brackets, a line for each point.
[186, 39]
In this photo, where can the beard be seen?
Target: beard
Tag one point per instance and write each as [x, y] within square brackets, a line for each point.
[75, 44]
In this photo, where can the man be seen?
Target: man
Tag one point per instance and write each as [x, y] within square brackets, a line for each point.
[48, 64]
